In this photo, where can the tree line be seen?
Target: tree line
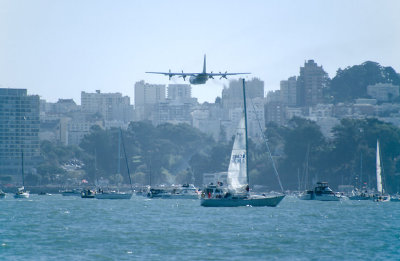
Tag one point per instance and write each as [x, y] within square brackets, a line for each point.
[176, 154]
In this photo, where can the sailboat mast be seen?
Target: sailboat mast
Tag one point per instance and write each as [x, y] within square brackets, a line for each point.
[245, 128]
[126, 160]
[22, 166]
[119, 154]
[361, 171]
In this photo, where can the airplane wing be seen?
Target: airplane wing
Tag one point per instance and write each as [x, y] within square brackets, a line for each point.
[170, 74]
[225, 74]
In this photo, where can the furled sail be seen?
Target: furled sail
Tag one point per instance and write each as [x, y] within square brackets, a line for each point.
[237, 171]
[378, 169]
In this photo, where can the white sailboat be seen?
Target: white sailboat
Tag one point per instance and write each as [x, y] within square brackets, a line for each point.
[21, 192]
[237, 193]
[379, 197]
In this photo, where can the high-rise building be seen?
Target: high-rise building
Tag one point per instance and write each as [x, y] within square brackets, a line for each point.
[232, 104]
[19, 133]
[111, 106]
[232, 97]
[146, 96]
[181, 92]
[310, 84]
[288, 92]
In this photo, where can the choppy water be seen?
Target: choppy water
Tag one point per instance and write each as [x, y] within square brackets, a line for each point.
[71, 228]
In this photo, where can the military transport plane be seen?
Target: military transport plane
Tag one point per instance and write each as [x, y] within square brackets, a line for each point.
[197, 78]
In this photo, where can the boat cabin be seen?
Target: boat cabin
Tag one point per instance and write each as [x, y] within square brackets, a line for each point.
[323, 188]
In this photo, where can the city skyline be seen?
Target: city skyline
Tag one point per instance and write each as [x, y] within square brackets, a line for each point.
[58, 49]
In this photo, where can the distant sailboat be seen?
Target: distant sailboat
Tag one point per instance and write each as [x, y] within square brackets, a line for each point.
[237, 194]
[379, 197]
[21, 192]
[111, 194]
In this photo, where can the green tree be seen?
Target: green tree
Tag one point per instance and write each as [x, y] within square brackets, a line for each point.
[351, 83]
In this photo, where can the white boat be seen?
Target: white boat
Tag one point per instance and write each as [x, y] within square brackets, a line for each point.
[395, 198]
[237, 192]
[186, 191]
[321, 192]
[380, 196]
[21, 192]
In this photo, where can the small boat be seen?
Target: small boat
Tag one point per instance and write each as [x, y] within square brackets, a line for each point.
[237, 193]
[357, 195]
[21, 193]
[2, 194]
[321, 192]
[395, 198]
[88, 193]
[159, 192]
[186, 191]
[380, 196]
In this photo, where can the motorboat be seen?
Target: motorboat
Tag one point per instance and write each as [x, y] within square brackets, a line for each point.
[186, 191]
[88, 193]
[321, 192]
[159, 192]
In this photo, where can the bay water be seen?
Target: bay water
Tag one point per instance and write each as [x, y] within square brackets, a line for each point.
[54, 227]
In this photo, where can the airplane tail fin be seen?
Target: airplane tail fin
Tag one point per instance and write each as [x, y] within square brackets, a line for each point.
[204, 64]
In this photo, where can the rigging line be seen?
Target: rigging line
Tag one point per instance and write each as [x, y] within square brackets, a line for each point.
[126, 159]
[266, 143]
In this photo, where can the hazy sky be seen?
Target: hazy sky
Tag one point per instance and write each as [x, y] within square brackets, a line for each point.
[57, 49]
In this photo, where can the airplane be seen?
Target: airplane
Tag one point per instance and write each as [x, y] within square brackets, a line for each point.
[197, 78]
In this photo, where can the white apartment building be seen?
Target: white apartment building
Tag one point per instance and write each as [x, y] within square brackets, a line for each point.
[383, 91]
[111, 106]
[146, 96]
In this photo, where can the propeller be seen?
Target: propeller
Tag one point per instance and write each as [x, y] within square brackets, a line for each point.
[170, 74]
[210, 76]
[183, 76]
[223, 75]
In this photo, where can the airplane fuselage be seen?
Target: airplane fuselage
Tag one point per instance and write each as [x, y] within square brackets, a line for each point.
[198, 79]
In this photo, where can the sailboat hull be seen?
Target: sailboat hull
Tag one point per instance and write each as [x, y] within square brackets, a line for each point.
[254, 201]
[21, 195]
[113, 195]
